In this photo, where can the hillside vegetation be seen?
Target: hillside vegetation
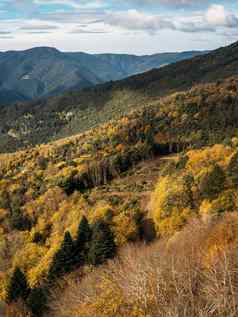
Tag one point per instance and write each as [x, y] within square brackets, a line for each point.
[25, 125]
[45, 71]
[68, 206]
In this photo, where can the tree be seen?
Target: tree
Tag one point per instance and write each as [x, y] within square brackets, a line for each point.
[82, 241]
[63, 259]
[212, 182]
[17, 287]
[233, 169]
[18, 221]
[36, 301]
[102, 246]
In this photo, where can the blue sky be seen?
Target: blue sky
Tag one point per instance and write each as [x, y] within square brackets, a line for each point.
[119, 26]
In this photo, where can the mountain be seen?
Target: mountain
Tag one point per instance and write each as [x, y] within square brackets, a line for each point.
[149, 189]
[133, 217]
[45, 71]
[26, 124]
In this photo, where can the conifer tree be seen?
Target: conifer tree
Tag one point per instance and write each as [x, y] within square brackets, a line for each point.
[102, 246]
[63, 259]
[17, 287]
[37, 301]
[82, 241]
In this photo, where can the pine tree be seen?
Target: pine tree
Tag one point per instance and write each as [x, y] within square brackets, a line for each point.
[63, 259]
[37, 301]
[17, 287]
[82, 241]
[102, 246]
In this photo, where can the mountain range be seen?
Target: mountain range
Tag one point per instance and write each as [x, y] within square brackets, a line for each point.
[27, 124]
[45, 71]
[141, 171]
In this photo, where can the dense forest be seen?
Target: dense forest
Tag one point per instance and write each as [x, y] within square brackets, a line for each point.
[121, 199]
[136, 217]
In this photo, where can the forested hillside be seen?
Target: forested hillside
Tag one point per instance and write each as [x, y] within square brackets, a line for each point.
[25, 125]
[163, 178]
[45, 71]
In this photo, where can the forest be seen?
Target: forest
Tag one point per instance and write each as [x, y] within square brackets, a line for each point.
[135, 217]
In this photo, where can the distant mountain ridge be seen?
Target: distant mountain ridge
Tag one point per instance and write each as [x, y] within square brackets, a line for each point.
[45, 71]
[42, 121]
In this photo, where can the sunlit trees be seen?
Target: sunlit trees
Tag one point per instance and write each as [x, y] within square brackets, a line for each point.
[171, 203]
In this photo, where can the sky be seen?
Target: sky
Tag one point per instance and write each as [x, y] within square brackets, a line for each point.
[118, 26]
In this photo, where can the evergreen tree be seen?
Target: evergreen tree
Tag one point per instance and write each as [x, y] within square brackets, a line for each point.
[102, 246]
[37, 301]
[63, 259]
[82, 241]
[17, 287]
[18, 221]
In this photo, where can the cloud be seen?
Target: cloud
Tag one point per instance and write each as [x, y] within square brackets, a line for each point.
[170, 3]
[194, 27]
[76, 4]
[83, 31]
[5, 32]
[6, 37]
[38, 32]
[135, 20]
[218, 16]
[209, 21]
[39, 27]
[87, 16]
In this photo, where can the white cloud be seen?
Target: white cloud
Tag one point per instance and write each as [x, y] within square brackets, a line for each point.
[76, 4]
[209, 21]
[218, 16]
[135, 20]
[38, 27]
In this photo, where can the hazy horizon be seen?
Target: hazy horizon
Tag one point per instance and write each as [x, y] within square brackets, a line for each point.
[95, 53]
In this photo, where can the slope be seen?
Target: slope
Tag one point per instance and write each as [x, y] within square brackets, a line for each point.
[44, 71]
[45, 190]
[28, 124]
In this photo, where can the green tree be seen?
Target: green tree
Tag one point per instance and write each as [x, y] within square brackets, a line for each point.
[102, 246]
[63, 259]
[17, 287]
[37, 301]
[82, 241]
[212, 182]
[18, 221]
